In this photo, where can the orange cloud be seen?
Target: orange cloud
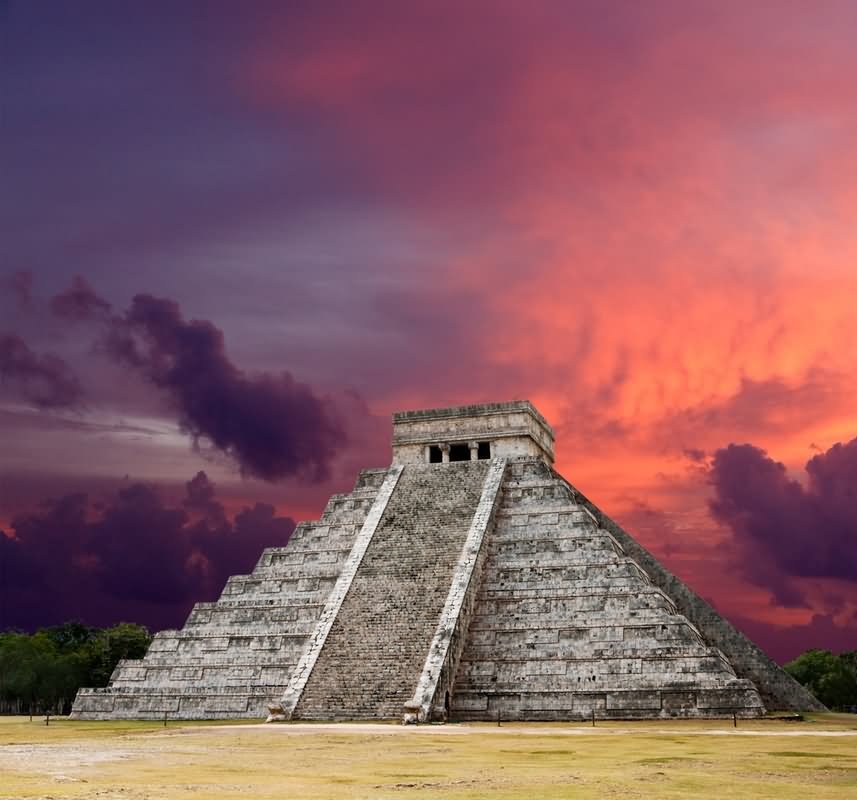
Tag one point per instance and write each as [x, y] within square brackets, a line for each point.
[655, 213]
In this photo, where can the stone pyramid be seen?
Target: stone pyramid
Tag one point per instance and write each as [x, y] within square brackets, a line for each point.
[466, 581]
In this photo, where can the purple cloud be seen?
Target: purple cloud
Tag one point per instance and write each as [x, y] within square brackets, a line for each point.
[44, 381]
[786, 530]
[80, 302]
[273, 425]
[133, 558]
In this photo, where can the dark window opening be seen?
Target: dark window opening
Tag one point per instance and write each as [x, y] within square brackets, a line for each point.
[435, 456]
[484, 450]
[459, 452]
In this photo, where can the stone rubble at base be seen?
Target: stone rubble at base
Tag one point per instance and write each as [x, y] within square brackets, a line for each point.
[481, 586]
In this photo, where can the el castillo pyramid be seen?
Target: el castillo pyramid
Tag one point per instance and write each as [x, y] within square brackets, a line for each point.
[465, 581]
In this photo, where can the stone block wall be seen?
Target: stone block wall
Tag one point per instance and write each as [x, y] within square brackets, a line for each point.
[778, 689]
[514, 429]
[567, 625]
[234, 656]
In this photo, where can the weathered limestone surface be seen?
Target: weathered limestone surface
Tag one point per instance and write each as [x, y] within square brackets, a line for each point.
[431, 698]
[514, 429]
[483, 587]
[567, 625]
[285, 708]
[374, 654]
[778, 689]
[236, 655]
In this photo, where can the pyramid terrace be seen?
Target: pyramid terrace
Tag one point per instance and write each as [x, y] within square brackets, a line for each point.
[465, 581]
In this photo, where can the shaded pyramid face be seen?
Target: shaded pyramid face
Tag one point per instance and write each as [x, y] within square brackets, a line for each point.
[467, 581]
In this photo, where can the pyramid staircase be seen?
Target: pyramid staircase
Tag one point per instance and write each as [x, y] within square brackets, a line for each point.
[374, 656]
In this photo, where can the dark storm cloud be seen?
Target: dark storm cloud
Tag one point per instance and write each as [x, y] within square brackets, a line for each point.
[80, 302]
[44, 381]
[273, 425]
[200, 499]
[134, 558]
[784, 529]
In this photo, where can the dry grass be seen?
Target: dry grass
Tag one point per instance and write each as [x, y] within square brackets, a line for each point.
[814, 759]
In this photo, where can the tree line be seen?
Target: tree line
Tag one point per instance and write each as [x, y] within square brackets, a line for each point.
[831, 678]
[40, 673]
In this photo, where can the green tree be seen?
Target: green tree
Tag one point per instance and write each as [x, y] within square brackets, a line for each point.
[71, 636]
[831, 678]
[125, 640]
[43, 671]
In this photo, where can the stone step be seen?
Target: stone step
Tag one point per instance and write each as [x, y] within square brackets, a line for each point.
[536, 601]
[327, 571]
[374, 654]
[505, 564]
[567, 511]
[318, 540]
[735, 696]
[370, 481]
[593, 575]
[213, 659]
[564, 618]
[259, 690]
[574, 589]
[669, 629]
[528, 470]
[260, 587]
[262, 638]
[550, 537]
[600, 682]
[224, 675]
[569, 649]
[261, 601]
[232, 617]
[703, 659]
[522, 496]
[235, 655]
[563, 543]
[306, 558]
[563, 612]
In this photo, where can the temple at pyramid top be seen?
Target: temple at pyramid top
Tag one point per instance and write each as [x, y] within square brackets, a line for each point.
[471, 433]
[466, 580]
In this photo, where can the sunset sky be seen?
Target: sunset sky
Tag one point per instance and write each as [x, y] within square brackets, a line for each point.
[235, 237]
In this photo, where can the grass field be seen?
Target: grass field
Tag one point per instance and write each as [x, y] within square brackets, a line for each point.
[810, 760]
